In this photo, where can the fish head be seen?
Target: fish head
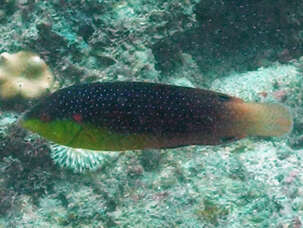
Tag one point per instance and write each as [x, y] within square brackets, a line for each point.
[50, 121]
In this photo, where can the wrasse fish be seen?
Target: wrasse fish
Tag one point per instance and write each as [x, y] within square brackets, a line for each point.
[117, 116]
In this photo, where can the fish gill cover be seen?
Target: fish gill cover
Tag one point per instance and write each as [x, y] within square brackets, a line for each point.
[250, 50]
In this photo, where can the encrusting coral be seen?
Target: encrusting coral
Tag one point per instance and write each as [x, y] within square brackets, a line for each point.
[24, 74]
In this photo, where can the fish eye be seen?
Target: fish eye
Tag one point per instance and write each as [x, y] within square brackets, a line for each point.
[44, 117]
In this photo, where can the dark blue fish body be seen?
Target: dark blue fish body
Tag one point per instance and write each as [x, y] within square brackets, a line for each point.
[138, 115]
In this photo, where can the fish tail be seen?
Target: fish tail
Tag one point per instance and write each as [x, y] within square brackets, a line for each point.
[261, 119]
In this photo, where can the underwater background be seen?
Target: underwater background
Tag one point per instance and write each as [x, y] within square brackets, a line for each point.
[249, 49]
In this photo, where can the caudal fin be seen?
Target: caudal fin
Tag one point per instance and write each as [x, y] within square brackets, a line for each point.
[267, 119]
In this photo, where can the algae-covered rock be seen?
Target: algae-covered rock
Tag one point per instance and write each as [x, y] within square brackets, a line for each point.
[249, 49]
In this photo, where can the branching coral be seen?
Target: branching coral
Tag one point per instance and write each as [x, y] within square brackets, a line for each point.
[24, 74]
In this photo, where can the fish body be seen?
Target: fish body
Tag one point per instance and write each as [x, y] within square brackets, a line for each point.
[117, 116]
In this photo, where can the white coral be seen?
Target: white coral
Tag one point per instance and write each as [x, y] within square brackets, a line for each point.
[25, 74]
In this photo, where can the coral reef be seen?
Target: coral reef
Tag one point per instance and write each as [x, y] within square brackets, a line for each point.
[250, 49]
[227, 36]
